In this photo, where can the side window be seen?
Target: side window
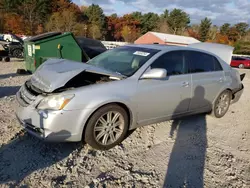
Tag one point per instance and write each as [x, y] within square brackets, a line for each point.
[173, 62]
[201, 62]
[217, 65]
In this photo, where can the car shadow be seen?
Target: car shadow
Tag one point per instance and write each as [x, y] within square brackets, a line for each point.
[8, 91]
[26, 154]
[187, 159]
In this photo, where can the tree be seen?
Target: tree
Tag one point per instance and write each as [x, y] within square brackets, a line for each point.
[233, 34]
[149, 22]
[96, 18]
[95, 31]
[61, 5]
[224, 29]
[178, 21]
[213, 32]
[33, 12]
[193, 31]
[204, 29]
[126, 33]
[165, 15]
[117, 25]
[137, 16]
[241, 29]
[114, 15]
[163, 27]
[65, 21]
[14, 23]
[1, 21]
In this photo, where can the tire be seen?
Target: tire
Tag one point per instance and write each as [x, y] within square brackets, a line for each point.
[18, 53]
[98, 132]
[7, 59]
[221, 105]
[241, 66]
[1, 58]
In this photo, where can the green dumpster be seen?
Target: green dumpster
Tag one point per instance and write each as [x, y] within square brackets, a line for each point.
[58, 45]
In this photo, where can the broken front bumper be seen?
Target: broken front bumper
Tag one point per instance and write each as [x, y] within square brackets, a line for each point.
[55, 126]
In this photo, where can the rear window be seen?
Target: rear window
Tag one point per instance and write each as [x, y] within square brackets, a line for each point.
[201, 62]
[86, 42]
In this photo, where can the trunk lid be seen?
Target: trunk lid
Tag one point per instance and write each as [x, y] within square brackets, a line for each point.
[55, 73]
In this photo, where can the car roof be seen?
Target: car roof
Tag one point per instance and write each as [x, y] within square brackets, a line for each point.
[224, 52]
[157, 46]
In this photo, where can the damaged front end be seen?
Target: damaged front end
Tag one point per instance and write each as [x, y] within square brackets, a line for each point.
[57, 75]
[42, 98]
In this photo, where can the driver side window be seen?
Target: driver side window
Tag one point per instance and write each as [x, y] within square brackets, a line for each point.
[173, 62]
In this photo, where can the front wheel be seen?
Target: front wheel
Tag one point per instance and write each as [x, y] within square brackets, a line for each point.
[107, 127]
[18, 53]
[222, 104]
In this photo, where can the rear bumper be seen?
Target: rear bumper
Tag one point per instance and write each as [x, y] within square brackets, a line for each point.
[237, 94]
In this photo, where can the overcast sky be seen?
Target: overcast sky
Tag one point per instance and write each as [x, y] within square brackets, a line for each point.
[220, 11]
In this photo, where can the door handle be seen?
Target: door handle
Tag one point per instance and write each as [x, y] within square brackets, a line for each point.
[185, 84]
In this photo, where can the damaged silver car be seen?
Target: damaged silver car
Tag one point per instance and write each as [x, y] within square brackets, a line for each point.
[125, 88]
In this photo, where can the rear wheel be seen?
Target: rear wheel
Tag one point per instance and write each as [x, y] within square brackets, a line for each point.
[241, 66]
[222, 104]
[107, 127]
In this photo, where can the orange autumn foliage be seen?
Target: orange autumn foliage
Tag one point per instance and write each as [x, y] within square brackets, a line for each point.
[222, 39]
[14, 23]
[121, 27]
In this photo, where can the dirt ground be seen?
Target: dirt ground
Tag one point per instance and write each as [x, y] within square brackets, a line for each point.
[198, 151]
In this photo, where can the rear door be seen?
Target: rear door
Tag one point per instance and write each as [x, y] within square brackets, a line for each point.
[161, 98]
[207, 78]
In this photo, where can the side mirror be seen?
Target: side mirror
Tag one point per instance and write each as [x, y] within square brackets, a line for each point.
[155, 74]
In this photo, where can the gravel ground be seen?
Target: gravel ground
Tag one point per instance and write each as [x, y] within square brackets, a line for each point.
[197, 151]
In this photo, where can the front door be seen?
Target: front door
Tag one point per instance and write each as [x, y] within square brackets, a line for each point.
[159, 99]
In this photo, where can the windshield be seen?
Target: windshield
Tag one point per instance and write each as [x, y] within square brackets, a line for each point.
[125, 60]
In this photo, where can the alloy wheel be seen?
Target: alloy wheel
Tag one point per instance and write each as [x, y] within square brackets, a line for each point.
[109, 128]
[222, 104]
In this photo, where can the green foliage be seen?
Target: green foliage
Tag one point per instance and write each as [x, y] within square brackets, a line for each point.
[178, 21]
[242, 28]
[137, 15]
[149, 22]
[204, 29]
[224, 30]
[96, 18]
[242, 48]
[165, 15]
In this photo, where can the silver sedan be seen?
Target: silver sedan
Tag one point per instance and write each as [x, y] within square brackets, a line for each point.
[125, 88]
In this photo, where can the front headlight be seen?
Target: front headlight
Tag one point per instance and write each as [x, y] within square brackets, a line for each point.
[55, 102]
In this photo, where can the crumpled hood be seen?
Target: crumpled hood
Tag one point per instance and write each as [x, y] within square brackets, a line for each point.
[55, 73]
